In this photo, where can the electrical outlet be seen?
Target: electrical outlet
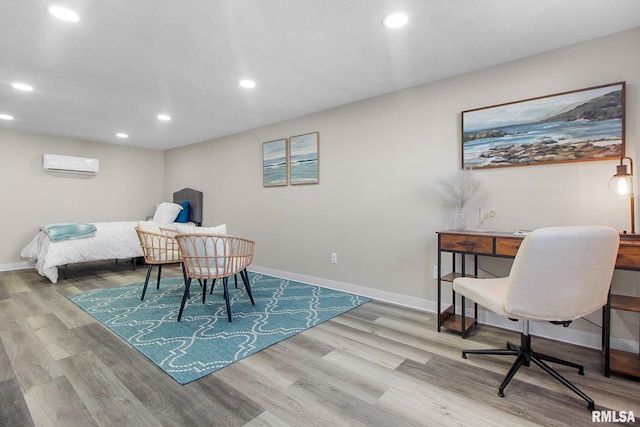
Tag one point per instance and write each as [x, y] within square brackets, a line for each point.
[435, 271]
[334, 257]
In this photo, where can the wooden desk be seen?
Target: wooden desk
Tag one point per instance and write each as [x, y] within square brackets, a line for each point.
[616, 360]
[495, 244]
[464, 243]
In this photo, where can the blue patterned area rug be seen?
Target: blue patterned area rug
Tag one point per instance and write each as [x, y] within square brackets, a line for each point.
[204, 341]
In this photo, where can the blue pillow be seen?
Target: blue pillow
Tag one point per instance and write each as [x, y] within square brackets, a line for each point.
[185, 213]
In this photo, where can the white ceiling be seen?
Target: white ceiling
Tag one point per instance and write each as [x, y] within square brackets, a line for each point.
[126, 61]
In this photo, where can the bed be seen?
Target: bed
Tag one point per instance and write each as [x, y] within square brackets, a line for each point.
[110, 241]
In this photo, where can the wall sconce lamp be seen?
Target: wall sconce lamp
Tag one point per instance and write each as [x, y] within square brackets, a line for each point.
[621, 186]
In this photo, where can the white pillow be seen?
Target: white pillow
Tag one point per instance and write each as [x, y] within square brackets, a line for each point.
[166, 213]
[149, 226]
[218, 229]
[219, 248]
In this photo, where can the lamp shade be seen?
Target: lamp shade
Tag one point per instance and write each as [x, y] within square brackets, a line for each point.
[621, 185]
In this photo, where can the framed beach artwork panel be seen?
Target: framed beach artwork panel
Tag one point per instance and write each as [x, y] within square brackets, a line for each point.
[304, 159]
[580, 125]
[274, 163]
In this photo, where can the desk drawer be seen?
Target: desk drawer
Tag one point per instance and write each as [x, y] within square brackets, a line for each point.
[507, 246]
[628, 257]
[466, 243]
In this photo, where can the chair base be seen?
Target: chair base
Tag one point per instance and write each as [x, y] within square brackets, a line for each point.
[245, 278]
[146, 281]
[524, 356]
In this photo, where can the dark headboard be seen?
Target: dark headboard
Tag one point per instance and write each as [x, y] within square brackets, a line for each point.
[194, 198]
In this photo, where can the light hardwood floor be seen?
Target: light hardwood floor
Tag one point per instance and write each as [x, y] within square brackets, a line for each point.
[377, 365]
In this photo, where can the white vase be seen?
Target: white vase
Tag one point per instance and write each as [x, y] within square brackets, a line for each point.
[459, 220]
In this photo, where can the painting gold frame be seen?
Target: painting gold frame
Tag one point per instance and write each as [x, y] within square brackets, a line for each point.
[579, 125]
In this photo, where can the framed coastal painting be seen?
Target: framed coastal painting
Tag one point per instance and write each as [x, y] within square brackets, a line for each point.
[274, 163]
[303, 158]
[580, 125]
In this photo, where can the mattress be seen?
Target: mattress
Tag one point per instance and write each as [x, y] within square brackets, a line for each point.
[112, 240]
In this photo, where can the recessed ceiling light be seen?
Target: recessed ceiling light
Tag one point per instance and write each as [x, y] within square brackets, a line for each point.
[248, 84]
[122, 135]
[164, 117]
[22, 86]
[395, 20]
[64, 13]
[6, 117]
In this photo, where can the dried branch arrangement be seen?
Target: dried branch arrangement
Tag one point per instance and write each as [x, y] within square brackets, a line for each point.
[459, 189]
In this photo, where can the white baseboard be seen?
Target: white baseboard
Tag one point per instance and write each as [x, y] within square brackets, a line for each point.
[16, 266]
[541, 329]
[390, 297]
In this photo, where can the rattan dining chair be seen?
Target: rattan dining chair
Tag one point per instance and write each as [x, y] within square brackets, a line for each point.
[159, 247]
[215, 256]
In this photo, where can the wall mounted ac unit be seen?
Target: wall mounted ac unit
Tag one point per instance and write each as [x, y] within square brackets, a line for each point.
[57, 163]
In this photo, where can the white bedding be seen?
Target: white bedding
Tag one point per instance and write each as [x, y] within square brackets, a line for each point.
[112, 240]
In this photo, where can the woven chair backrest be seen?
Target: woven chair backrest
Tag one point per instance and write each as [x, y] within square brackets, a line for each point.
[159, 248]
[210, 256]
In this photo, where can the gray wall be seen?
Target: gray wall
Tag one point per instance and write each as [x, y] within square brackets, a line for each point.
[128, 186]
[376, 205]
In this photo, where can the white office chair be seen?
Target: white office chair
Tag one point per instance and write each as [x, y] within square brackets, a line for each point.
[558, 275]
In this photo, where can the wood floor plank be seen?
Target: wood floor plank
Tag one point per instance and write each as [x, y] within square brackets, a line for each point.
[324, 333]
[420, 348]
[107, 400]
[62, 308]
[282, 406]
[378, 364]
[338, 377]
[49, 330]
[6, 369]
[14, 282]
[476, 385]
[228, 405]
[427, 408]
[265, 419]
[57, 404]
[268, 365]
[4, 288]
[158, 393]
[354, 333]
[439, 403]
[350, 409]
[28, 356]
[13, 408]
